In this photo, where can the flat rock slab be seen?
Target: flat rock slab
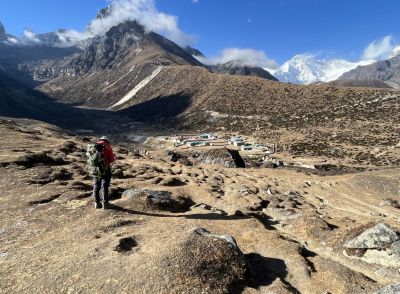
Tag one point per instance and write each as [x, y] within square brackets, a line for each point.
[391, 289]
[205, 233]
[159, 200]
[379, 236]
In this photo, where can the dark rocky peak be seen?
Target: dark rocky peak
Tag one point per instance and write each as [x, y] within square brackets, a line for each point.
[5, 38]
[3, 34]
[193, 51]
[104, 12]
[128, 29]
[124, 40]
[106, 51]
[236, 67]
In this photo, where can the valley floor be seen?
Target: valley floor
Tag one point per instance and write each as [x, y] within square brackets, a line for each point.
[290, 225]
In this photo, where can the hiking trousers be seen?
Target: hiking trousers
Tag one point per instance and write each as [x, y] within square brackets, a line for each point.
[101, 183]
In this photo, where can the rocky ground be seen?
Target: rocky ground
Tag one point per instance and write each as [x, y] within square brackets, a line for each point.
[176, 227]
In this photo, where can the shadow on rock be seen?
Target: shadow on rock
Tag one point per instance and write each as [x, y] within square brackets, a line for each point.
[264, 271]
[206, 216]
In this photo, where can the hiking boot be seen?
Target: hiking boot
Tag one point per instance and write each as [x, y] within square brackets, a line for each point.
[106, 205]
[98, 205]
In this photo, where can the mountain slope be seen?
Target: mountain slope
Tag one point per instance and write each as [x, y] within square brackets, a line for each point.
[320, 117]
[3, 34]
[33, 64]
[113, 64]
[193, 51]
[359, 83]
[387, 71]
[6, 38]
[17, 100]
[306, 69]
[237, 68]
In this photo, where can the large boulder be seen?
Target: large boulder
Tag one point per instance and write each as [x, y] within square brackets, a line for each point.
[379, 236]
[224, 157]
[206, 263]
[376, 245]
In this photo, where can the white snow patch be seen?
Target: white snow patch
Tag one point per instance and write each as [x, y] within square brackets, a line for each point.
[395, 52]
[119, 79]
[13, 40]
[137, 138]
[138, 87]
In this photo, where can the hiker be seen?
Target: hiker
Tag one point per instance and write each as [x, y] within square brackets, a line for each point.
[100, 157]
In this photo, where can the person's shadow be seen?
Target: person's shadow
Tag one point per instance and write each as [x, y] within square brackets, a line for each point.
[206, 216]
[262, 271]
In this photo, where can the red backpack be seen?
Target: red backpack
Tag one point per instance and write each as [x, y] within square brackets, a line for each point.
[109, 156]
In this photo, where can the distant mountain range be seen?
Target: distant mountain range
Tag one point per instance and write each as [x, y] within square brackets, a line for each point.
[239, 69]
[301, 69]
[144, 75]
[233, 67]
[307, 69]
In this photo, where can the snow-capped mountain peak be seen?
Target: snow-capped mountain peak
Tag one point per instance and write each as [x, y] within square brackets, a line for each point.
[307, 69]
[395, 52]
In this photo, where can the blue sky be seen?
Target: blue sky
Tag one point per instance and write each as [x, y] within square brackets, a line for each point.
[280, 28]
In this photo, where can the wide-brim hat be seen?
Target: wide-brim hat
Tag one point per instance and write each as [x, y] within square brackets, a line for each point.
[105, 138]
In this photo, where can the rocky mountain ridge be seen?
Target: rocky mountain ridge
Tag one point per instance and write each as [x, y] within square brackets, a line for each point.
[236, 67]
[387, 71]
[6, 38]
[113, 63]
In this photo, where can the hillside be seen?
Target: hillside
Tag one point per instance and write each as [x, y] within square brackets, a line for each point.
[16, 100]
[317, 120]
[359, 83]
[387, 71]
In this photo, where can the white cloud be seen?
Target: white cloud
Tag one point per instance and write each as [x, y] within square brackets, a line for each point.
[195, 1]
[143, 11]
[379, 49]
[250, 57]
[30, 37]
